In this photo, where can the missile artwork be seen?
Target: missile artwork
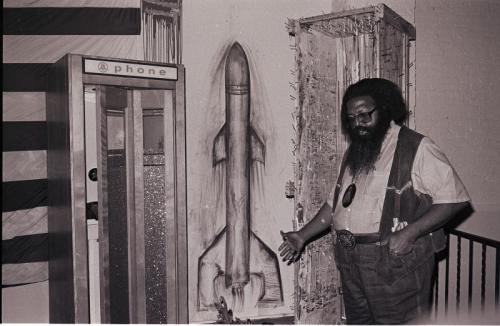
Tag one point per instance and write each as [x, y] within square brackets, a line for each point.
[237, 264]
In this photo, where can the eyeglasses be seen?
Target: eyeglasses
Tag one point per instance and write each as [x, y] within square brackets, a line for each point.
[349, 195]
[363, 117]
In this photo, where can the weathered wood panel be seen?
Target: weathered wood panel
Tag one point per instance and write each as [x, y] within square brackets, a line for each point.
[317, 298]
[391, 52]
[394, 56]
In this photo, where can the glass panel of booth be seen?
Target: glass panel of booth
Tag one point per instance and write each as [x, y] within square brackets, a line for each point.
[112, 109]
[155, 212]
[129, 139]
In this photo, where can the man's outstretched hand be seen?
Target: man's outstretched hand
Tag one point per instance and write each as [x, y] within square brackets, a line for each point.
[292, 247]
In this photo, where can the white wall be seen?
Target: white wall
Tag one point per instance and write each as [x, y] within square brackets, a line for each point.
[458, 92]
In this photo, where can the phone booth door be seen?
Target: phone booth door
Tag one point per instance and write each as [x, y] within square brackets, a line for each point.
[132, 169]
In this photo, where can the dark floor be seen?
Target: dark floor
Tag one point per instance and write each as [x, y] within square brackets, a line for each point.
[287, 320]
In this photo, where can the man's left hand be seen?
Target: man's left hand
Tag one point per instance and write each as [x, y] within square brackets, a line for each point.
[401, 242]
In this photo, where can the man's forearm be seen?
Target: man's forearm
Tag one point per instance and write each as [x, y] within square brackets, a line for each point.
[437, 216]
[318, 224]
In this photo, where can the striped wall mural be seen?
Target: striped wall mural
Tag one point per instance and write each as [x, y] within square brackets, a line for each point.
[36, 34]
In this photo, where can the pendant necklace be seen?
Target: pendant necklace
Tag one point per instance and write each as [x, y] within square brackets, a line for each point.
[350, 192]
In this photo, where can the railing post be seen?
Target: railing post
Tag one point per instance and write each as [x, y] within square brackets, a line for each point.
[471, 271]
[447, 276]
[436, 290]
[497, 277]
[483, 275]
[459, 259]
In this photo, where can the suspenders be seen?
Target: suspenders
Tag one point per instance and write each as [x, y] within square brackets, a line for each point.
[400, 198]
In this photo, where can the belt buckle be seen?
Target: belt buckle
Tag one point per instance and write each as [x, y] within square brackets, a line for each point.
[346, 239]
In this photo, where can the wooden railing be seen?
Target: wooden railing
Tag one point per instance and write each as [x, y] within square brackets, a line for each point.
[461, 269]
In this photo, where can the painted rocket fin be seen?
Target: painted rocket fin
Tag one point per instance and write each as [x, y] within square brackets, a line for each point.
[219, 153]
[258, 148]
[211, 265]
[264, 262]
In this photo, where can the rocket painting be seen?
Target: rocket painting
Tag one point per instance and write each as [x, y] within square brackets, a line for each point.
[237, 264]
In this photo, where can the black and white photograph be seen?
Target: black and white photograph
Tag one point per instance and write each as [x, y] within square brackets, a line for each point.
[322, 162]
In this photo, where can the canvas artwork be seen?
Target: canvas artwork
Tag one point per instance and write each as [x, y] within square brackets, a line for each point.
[234, 262]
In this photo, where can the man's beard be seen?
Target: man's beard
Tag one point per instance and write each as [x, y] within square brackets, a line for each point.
[365, 149]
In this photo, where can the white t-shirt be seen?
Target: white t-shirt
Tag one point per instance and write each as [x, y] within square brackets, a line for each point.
[431, 174]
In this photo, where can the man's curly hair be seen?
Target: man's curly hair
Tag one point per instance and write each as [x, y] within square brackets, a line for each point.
[387, 96]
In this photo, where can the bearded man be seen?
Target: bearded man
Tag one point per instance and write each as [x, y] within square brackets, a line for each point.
[395, 191]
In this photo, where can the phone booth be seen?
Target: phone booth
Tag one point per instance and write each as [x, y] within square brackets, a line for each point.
[116, 153]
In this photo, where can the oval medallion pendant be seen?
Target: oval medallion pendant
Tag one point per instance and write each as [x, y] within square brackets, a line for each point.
[349, 195]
